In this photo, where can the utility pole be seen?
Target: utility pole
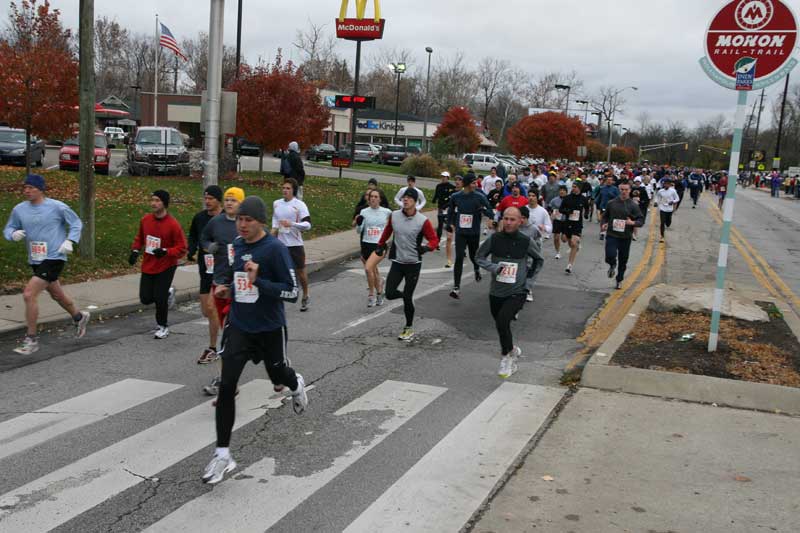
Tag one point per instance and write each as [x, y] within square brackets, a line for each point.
[427, 103]
[239, 40]
[776, 162]
[758, 121]
[175, 81]
[87, 127]
[214, 92]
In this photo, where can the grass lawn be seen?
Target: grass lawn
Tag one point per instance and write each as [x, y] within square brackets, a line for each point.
[375, 167]
[121, 202]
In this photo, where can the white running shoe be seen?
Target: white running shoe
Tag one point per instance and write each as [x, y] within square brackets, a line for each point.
[80, 325]
[516, 352]
[380, 299]
[371, 301]
[171, 298]
[529, 297]
[558, 256]
[161, 333]
[505, 367]
[299, 396]
[217, 468]
[406, 335]
[568, 270]
[29, 345]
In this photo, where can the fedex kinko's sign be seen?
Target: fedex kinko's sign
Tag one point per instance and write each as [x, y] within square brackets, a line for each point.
[360, 28]
[749, 44]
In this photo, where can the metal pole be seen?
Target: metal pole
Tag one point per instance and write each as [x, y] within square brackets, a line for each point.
[566, 110]
[397, 109]
[214, 92]
[155, 76]
[354, 112]
[758, 120]
[427, 106]
[239, 40]
[610, 136]
[776, 163]
[87, 127]
[727, 218]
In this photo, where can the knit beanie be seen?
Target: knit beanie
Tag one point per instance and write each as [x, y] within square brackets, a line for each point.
[163, 196]
[215, 191]
[34, 180]
[412, 193]
[254, 207]
[235, 192]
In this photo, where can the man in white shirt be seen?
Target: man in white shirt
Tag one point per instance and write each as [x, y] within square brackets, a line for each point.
[412, 184]
[667, 200]
[489, 181]
[539, 216]
[290, 217]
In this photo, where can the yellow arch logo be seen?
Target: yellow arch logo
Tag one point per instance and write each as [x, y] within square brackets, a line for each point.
[361, 9]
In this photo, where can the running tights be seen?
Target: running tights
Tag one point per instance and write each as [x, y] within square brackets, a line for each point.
[397, 273]
[504, 310]
[666, 220]
[463, 242]
[154, 288]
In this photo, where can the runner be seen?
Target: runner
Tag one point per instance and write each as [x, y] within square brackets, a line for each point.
[550, 189]
[539, 217]
[559, 220]
[572, 207]
[722, 189]
[667, 200]
[621, 216]
[290, 217]
[509, 250]
[412, 184]
[212, 197]
[468, 206]
[217, 240]
[163, 241]
[372, 185]
[441, 197]
[42, 222]
[534, 231]
[695, 186]
[263, 278]
[371, 223]
[605, 193]
[409, 226]
[516, 199]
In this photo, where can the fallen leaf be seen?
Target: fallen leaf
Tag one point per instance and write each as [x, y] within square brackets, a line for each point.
[548, 478]
[743, 479]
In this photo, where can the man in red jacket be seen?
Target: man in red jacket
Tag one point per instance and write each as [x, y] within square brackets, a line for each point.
[162, 239]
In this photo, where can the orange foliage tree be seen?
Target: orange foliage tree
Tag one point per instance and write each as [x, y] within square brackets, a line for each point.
[276, 106]
[39, 90]
[550, 135]
[623, 154]
[597, 150]
[458, 131]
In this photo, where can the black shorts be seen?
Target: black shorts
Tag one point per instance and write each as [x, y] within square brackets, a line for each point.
[206, 280]
[298, 255]
[49, 270]
[367, 248]
[241, 346]
[558, 226]
[572, 229]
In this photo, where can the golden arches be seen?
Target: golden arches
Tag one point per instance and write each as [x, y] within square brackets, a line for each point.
[361, 9]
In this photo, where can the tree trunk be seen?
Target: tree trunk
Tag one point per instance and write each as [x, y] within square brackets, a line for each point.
[260, 160]
[27, 151]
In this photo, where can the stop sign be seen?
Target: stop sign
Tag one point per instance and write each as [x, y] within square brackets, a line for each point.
[749, 44]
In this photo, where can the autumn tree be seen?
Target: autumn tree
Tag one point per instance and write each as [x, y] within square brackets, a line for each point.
[458, 130]
[550, 135]
[277, 105]
[39, 92]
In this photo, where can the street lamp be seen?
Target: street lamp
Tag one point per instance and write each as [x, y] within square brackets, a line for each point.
[398, 68]
[599, 116]
[567, 88]
[585, 111]
[610, 118]
[427, 103]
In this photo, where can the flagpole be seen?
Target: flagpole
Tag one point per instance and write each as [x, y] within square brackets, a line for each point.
[155, 78]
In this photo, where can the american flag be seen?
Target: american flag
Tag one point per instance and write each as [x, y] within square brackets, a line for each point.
[168, 41]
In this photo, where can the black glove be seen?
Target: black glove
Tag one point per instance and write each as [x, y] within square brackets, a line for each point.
[190, 258]
[359, 220]
[380, 250]
[133, 257]
[448, 228]
[422, 250]
[160, 252]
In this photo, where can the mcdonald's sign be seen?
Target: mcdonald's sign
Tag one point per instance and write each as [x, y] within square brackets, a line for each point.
[360, 28]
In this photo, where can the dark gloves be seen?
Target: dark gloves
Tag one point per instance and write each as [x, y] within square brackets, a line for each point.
[422, 250]
[133, 257]
[359, 220]
[160, 252]
[190, 258]
[380, 250]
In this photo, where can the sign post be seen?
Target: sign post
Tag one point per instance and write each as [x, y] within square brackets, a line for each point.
[749, 46]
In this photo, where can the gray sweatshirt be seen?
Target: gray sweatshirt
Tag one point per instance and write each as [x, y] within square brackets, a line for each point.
[217, 239]
[509, 262]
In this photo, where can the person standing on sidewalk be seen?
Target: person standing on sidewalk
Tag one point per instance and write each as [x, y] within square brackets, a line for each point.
[510, 251]
[667, 200]
[212, 197]
[292, 167]
[621, 216]
[371, 222]
[465, 212]
[441, 197]
[41, 222]
[290, 217]
[161, 238]
[262, 279]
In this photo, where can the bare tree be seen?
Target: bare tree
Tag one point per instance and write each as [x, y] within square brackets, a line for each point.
[112, 74]
[317, 51]
[452, 84]
[542, 92]
[510, 104]
[490, 75]
[195, 69]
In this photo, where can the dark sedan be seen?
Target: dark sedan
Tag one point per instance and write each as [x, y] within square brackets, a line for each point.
[12, 148]
[320, 152]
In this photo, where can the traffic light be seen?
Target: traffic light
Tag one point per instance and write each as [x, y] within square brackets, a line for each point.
[347, 101]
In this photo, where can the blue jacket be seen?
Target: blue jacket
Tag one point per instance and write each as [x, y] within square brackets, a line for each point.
[604, 194]
[472, 204]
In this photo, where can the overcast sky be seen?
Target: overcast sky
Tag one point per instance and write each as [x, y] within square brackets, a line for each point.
[653, 44]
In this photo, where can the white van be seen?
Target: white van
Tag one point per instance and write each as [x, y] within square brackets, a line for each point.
[114, 134]
[482, 162]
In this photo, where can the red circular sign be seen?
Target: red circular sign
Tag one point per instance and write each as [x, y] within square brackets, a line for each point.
[755, 36]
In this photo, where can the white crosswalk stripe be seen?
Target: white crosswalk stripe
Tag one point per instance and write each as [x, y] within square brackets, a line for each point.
[265, 507]
[32, 429]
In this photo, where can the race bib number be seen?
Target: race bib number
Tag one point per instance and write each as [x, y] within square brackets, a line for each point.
[722, 189]
[575, 216]
[465, 221]
[373, 234]
[151, 243]
[209, 259]
[38, 251]
[618, 225]
[230, 255]
[284, 229]
[507, 273]
[245, 292]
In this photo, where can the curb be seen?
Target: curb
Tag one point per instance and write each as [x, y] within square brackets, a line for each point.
[599, 374]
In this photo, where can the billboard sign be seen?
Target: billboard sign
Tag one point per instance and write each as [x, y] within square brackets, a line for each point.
[360, 28]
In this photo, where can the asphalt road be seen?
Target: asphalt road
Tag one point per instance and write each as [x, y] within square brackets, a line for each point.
[383, 413]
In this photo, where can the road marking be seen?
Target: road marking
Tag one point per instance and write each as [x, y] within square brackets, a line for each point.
[443, 490]
[267, 497]
[52, 500]
[52, 167]
[34, 428]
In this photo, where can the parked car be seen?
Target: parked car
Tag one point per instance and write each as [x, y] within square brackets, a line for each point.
[482, 162]
[69, 154]
[115, 135]
[413, 150]
[392, 154]
[249, 148]
[157, 150]
[320, 152]
[512, 164]
[365, 153]
[12, 148]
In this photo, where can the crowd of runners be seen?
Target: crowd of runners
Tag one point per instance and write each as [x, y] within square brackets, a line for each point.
[250, 262]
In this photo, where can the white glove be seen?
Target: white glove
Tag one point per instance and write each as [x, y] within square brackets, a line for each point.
[18, 235]
[66, 247]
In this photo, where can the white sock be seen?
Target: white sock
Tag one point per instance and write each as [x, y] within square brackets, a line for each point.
[223, 453]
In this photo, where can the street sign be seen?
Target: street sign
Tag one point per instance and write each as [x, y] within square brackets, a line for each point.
[762, 167]
[749, 44]
[793, 172]
[346, 101]
[340, 162]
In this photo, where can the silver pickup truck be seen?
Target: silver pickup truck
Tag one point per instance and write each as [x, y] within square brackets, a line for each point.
[158, 150]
